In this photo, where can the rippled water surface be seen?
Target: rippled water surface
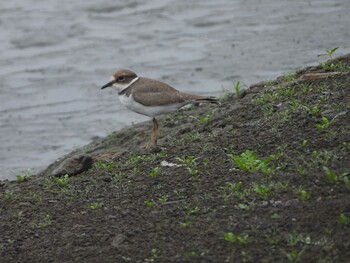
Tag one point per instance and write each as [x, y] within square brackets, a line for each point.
[55, 55]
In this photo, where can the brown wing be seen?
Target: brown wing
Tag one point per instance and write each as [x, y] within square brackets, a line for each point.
[155, 93]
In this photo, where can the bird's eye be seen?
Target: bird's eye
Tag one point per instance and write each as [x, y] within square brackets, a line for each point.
[121, 78]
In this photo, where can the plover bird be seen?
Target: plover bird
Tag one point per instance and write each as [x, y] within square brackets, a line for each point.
[150, 97]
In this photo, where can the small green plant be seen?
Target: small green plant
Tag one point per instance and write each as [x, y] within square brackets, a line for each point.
[249, 162]
[304, 195]
[304, 143]
[311, 110]
[235, 239]
[105, 166]
[136, 170]
[331, 176]
[45, 223]
[343, 219]
[324, 124]
[268, 110]
[304, 88]
[289, 76]
[238, 88]
[21, 178]
[154, 172]
[194, 210]
[205, 119]
[62, 181]
[244, 207]
[263, 190]
[329, 52]
[94, 206]
[275, 216]
[161, 155]
[24, 176]
[295, 238]
[189, 160]
[295, 106]
[163, 199]
[193, 171]
[35, 197]
[138, 159]
[150, 203]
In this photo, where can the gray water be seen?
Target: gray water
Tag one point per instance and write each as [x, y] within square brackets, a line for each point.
[55, 55]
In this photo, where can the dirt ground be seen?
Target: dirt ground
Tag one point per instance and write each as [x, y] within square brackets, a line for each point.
[263, 177]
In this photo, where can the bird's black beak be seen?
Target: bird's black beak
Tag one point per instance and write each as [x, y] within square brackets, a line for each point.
[107, 85]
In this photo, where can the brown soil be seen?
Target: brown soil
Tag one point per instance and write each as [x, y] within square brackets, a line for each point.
[292, 205]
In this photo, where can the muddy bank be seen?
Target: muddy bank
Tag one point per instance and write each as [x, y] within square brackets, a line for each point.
[264, 177]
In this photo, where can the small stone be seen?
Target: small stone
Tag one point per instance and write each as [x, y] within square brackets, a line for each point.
[73, 165]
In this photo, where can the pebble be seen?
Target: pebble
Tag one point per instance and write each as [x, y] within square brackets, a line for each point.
[73, 165]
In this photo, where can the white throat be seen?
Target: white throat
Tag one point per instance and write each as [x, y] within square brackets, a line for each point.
[120, 87]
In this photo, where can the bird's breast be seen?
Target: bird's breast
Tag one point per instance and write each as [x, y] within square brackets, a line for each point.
[151, 111]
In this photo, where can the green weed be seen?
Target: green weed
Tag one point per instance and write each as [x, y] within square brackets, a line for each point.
[62, 181]
[245, 207]
[154, 172]
[329, 52]
[238, 88]
[266, 97]
[194, 210]
[235, 239]
[134, 159]
[311, 110]
[303, 195]
[24, 176]
[325, 123]
[304, 143]
[94, 206]
[296, 238]
[163, 199]
[249, 162]
[263, 190]
[335, 67]
[331, 176]
[45, 223]
[289, 76]
[136, 170]
[193, 171]
[105, 166]
[150, 203]
[343, 219]
[275, 216]
[190, 160]
[304, 88]
[205, 119]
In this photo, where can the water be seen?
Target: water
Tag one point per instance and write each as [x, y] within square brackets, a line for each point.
[55, 55]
